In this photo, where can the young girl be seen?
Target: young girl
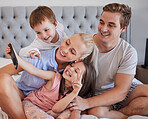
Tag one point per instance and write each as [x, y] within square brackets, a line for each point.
[57, 93]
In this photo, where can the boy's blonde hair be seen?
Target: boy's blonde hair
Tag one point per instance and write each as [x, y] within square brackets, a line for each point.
[40, 14]
[89, 43]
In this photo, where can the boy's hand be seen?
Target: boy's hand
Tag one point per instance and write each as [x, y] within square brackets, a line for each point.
[34, 53]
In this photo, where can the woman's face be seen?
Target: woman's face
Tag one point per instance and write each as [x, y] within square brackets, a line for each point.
[71, 49]
[72, 72]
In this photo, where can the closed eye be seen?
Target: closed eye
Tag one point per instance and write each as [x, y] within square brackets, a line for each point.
[73, 51]
[77, 70]
[68, 42]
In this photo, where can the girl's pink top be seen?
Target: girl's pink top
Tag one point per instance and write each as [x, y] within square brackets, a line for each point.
[44, 98]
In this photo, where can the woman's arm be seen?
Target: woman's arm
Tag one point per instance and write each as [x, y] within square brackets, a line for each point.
[27, 66]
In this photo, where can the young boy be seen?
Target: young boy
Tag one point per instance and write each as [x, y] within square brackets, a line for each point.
[50, 32]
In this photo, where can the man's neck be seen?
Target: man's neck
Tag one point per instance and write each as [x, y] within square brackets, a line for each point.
[105, 47]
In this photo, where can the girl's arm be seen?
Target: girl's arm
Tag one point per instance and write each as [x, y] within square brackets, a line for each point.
[27, 66]
[62, 104]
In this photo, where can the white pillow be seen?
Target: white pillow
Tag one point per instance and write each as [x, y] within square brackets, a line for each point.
[4, 61]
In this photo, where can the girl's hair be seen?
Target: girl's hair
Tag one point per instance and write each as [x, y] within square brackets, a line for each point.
[40, 14]
[89, 43]
[124, 10]
[88, 82]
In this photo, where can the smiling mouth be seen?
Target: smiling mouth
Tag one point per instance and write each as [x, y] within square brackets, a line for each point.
[62, 53]
[68, 73]
[46, 38]
[104, 34]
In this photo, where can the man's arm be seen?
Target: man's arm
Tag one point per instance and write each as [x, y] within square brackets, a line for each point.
[75, 114]
[117, 94]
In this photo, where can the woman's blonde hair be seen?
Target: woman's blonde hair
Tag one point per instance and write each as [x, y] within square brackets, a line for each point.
[89, 43]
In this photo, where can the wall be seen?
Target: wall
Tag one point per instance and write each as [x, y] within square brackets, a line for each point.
[139, 25]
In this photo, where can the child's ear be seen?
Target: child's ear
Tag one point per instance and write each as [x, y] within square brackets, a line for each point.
[79, 60]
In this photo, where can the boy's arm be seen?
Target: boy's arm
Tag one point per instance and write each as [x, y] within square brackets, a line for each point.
[24, 52]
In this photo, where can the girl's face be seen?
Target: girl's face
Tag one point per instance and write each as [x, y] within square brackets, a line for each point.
[71, 49]
[46, 31]
[72, 72]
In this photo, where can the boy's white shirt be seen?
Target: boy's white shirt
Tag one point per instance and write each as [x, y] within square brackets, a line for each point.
[38, 44]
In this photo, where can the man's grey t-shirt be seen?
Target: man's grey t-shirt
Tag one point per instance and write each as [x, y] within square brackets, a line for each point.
[121, 59]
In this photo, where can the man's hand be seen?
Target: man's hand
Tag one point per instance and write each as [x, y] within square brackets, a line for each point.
[79, 104]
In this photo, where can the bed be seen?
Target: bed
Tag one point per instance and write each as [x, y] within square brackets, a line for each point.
[15, 28]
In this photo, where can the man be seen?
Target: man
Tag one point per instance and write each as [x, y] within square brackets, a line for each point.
[77, 47]
[116, 66]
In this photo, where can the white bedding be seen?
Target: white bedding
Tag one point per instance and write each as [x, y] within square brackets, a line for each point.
[5, 61]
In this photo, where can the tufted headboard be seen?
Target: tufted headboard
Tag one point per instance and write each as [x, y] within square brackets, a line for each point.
[15, 28]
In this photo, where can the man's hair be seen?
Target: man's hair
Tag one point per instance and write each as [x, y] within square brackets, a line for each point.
[40, 14]
[124, 10]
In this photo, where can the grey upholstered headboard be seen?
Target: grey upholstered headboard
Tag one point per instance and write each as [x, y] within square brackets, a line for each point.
[15, 28]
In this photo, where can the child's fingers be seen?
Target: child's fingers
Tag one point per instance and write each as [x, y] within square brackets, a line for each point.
[79, 76]
[34, 53]
[32, 56]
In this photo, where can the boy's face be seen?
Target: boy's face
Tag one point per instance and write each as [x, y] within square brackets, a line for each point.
[71, 49]
[46, 31]
[109, 29]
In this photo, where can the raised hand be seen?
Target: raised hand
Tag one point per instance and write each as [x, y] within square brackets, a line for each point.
[34, 53]
[77, 84]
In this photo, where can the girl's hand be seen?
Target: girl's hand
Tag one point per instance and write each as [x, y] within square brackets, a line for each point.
[34, 53]
[77, 83]
[7, 51]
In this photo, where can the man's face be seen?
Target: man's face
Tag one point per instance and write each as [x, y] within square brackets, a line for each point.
[109, 29]
[71, 49]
